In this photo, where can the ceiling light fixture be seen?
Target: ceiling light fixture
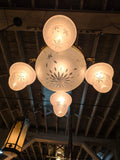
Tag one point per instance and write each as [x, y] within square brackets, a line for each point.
[16, 137]
[100, 76]
[61, 66]
[63, 71]
[60, 101]
[21, 75]
[59, 33]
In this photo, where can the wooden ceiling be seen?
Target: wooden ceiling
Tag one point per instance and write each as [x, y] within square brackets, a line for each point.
[95, 116]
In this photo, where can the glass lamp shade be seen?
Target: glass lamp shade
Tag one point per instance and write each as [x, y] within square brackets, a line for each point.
[60, 102]
[100, 76]
[16, 137]
[60, 72]
[21, 75]
[59, 33]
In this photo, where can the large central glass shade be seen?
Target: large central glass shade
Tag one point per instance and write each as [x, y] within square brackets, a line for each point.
[60, 72]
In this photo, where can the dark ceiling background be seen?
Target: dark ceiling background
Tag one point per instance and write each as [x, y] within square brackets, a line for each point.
[93, 114]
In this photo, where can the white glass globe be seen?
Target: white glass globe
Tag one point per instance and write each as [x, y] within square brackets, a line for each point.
[60, 102]
[100, 76]
[60, 72]
[59, 33]
[21, 75]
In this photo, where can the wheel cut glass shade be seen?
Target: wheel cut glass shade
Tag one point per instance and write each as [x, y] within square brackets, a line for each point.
[60, 102]
[100, 76]
[60, 72]
[21, 75]
[59, 33]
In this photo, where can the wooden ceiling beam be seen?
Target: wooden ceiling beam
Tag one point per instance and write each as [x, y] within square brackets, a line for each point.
[114, 49]
[28, 155]
[37, 41]
[111, 59]
[79, 153]
[41, 151]
[61, 139]
[113, 124]
[6, 100]
[56, 4]
[81, 107]
[81, 4]
[45, 119]
[33, 19]
[10, 3]
[105, 4]
[4, 120]
[107, 110]
[85, 157]
[7, 63]
[44, 108]
[4, 51]
[34, 152]
[92, 114]
[56, 124]
[67, 121]
[116, 149]
[33, 3]
[90, 151]
[96, 41]
[94, 50]
[22, 58]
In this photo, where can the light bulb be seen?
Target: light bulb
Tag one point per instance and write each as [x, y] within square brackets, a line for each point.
[60, 102]
[21, 75]
[60, 72]
[59, 33]
[100, 76]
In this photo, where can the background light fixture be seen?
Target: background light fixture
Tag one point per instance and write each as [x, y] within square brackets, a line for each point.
[16, 138]
[100, 76]
[60, 72]
[60, 102]
[59, 33]
[21, 75]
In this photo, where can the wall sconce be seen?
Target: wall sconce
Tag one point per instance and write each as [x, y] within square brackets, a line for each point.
[16, 138]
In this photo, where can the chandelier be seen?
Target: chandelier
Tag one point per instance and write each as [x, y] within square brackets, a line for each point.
[60, 66]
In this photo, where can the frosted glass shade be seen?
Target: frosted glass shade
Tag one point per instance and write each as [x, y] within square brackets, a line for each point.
[21, 75]
[100, 76]
[60, 72]
[59, 33]
[60, 102]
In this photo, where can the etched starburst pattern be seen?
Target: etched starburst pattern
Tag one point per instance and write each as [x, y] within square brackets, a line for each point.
[59, 80]
[21, 76]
